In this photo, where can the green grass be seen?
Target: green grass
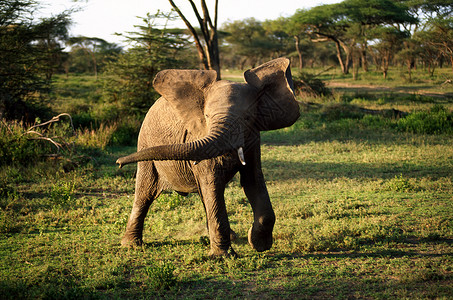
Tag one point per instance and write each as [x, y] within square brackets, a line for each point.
[364, 210]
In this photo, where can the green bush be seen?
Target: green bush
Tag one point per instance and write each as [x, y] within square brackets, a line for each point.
[375, 122]
[341, 111]
[435, 121]
[62, 194]
[308, 85]
[161, 276]
[17, 147]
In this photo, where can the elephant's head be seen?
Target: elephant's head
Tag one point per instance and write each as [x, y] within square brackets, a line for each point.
[223, 113]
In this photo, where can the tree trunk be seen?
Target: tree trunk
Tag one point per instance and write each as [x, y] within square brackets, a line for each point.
[363, 57]
[355, 63]
[409, 69]
[299, 52]
[344, 69]
[208, 55]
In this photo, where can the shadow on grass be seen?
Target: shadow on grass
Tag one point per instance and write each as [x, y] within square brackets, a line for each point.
[283, 170]
[397, 94]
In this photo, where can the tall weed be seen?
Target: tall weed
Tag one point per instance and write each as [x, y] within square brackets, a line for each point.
[96, 138]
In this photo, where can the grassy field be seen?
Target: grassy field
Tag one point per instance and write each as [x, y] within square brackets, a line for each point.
[364, 208]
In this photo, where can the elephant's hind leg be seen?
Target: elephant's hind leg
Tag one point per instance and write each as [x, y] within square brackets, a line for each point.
[147, 188]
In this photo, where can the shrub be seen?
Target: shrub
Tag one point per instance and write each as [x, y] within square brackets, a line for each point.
[161, 276]
[62, 194]
[341, 111]
[308, 85]
[16, 147]
[435, 121]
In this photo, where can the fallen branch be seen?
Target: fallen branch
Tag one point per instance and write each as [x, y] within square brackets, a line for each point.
[42, 137]
[52, 139]
[448, 81]
[54, 119]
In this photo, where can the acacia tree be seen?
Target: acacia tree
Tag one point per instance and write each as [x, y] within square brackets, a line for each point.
[386, 45]
[347, 23]
[326, 23]
[91, 46]
[153, 47]
[208, 52]
[437, 34]
[253, 40]
[427, 37]
[27, 51]
[280, 40]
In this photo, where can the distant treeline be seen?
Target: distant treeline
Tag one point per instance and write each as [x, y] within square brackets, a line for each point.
[354, 35]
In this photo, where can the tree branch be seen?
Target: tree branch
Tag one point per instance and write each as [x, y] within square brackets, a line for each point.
[200, 50]
[206, 16]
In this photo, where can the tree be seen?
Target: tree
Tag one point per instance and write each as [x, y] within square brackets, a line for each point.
[247, 39]
[440, 37]
[347, 24]
[279, 40]
[385, 46]
[153, 47]
[28, 57]
[209, 52]
[94, 48]
[430, 34]
[327, 23]
[53, 33]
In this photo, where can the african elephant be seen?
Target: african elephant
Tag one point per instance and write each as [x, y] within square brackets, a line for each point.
[199, 134]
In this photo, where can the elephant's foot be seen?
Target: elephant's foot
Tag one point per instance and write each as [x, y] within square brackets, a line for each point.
[259, 240]
[218, 253]
[131, 241]
[260, 235]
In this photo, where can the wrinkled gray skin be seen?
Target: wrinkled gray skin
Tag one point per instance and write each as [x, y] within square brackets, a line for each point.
[199, 134]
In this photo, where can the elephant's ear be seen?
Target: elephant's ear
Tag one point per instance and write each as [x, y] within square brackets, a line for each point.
[185, 91]
[277, 107]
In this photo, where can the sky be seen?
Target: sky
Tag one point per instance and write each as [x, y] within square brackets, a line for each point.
[104, 18]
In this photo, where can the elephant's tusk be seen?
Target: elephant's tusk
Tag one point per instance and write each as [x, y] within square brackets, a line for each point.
[241, 155]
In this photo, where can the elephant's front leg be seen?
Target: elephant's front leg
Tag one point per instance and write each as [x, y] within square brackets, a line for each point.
[146, 190]
[252, 180]
[211, 188]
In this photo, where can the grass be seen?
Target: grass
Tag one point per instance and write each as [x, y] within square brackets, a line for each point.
[364, 210]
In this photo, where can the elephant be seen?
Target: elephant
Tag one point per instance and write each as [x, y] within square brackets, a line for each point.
[199, 134]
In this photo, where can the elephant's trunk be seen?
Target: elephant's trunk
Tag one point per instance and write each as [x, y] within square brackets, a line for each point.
[224, 136]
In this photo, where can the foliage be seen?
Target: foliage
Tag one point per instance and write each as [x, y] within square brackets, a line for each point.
[153, 48]
[16, 147]
[435, 121]
[89, 53]
[250, 42]
[161, 275]
[310, 85]
[347, 24]
[31, 51]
